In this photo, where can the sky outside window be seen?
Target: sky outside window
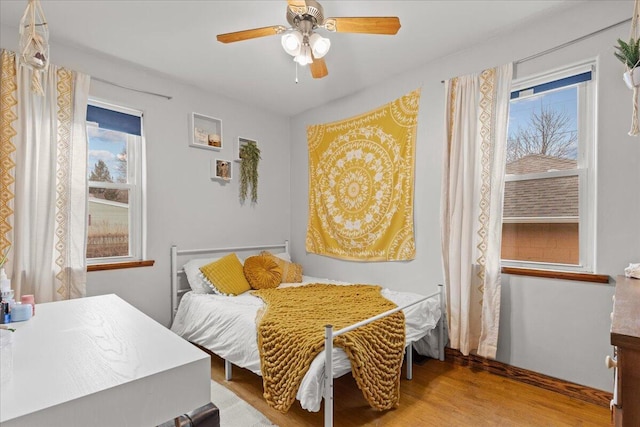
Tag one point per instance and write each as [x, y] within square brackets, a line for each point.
[108, 146]
[561, 101]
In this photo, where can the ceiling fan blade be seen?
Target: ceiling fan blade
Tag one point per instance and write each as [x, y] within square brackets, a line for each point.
[299, 7]
[368, 25]
[318, 68]
[250, 34]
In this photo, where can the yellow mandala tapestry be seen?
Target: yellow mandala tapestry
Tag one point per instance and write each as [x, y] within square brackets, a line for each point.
[361, 184]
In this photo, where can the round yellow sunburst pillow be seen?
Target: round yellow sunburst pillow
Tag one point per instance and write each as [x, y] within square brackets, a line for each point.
[262, 272]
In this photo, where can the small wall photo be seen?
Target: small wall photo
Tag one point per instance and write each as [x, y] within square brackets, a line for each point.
[221, 169]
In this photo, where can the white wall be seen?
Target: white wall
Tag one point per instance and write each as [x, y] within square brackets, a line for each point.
[185, 206]
[558, 328]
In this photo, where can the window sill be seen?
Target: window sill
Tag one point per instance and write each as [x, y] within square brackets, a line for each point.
[563, 275]
[120, 265]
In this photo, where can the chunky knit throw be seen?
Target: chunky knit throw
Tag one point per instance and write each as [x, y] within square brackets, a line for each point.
[291, 334]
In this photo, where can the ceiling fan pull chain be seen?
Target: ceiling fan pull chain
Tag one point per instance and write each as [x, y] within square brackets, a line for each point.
[296, 71]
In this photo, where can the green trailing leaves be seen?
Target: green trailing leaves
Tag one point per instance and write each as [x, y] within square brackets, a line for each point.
[249, 159]
[628, 53]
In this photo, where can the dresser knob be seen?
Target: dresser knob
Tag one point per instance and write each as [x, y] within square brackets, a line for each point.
[610, 362]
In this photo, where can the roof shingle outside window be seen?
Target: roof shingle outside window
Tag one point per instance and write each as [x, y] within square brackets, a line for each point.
[541, 198]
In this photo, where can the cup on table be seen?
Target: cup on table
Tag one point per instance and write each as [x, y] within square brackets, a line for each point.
[29, 299]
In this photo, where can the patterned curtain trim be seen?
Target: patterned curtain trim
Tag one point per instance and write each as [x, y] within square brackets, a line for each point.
[64, 90]
[486, 118]
[8, 102]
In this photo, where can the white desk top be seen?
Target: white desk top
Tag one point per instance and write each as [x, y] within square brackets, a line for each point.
[98, 361]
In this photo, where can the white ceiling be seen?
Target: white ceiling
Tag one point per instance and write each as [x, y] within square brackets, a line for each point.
[177, 38]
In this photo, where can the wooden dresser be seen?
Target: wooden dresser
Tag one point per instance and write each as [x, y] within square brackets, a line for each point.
[625, 337]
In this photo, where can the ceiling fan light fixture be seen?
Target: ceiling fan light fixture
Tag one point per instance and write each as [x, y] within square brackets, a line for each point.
[319, 45]
[292, 43]
[304, 57]
[300, 39]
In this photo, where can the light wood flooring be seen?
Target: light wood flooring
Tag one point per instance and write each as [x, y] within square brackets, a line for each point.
[440, 394]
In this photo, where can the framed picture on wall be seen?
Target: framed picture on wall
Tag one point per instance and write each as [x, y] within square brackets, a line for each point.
[239, 143]
[206, 132]
[221, 169]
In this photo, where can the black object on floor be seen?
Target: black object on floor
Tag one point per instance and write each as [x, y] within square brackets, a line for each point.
[419, 359]
[204, 416]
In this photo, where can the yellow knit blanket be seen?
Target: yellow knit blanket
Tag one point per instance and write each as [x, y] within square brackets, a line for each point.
[291, 334]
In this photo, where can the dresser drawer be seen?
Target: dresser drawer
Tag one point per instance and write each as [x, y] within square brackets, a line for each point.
[625, 337]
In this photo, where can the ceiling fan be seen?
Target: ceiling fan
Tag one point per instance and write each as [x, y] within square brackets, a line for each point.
[301, 39]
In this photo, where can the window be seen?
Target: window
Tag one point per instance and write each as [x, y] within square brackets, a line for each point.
[549, 199]
[116, 186]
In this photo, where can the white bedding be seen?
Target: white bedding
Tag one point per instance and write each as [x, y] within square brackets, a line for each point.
[226, 326]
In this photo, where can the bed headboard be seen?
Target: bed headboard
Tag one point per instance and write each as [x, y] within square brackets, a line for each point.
[180, 256]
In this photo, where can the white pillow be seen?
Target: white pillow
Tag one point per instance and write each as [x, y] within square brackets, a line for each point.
[284, 255]
[199, 284]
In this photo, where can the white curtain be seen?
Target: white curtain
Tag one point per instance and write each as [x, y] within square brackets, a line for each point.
[477, 114]
[49, 194]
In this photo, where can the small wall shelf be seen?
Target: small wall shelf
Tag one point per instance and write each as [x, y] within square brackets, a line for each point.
[221, 169]
[206, 132]
[239, 143]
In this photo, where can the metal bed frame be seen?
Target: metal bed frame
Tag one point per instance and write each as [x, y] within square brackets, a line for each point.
[329, 334]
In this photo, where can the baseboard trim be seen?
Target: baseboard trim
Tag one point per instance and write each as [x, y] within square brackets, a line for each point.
[577, 391]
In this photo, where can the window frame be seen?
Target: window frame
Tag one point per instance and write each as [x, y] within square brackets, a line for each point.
[136, 185]
[585, 168]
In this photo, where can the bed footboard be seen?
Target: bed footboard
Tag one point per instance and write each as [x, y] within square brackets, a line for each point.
[330, 334]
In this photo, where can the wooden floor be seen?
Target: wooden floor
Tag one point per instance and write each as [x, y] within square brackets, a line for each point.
[440, 394]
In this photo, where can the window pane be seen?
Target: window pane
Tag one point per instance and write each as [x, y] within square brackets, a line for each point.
[541, 220]
[114, 175]
[542, 198]
[543, 133]
[108, 231]
[541, 242]
[107, 155]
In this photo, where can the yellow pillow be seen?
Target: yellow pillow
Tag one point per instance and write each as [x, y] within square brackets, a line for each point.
[226, 275]
[291, 272]
[262, 272]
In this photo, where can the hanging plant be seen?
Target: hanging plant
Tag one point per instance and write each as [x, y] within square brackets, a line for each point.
[629, 55]
[34, 43]
[249, 159]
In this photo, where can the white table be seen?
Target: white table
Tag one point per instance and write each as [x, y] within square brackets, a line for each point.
[98, 361]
